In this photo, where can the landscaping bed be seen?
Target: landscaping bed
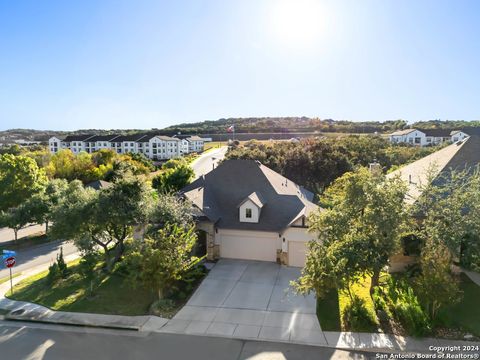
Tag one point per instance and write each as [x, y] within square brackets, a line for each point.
[453, 322]
[102, 293]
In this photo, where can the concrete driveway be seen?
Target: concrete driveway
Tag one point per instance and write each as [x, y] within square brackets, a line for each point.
[251, 300]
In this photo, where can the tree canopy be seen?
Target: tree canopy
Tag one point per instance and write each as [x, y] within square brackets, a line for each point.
[20, 178]
[357, 233]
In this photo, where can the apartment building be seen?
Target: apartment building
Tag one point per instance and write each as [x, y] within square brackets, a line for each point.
[427, 137]
[153, 146]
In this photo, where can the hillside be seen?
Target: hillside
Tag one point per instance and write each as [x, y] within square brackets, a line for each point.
[253, 125]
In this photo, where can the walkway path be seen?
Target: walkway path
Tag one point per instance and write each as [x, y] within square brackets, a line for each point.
[474, 276]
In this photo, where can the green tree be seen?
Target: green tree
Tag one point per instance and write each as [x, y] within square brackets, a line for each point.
[163, 259]
[20, 178]
[357, 234]
[450, 212]
[103, 218]
[15, 219]
[170, 209]
[436, 285]
[173, 179]
[41, 205]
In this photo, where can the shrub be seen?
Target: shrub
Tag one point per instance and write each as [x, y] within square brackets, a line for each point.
[53, 273]
[162, 306]
[356, 316]
[62, 266]
[398, 300]
[409, 312]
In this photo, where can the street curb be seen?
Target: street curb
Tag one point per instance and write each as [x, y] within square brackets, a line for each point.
[8, 317]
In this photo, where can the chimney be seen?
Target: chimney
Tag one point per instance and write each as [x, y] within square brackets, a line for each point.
[375, 168]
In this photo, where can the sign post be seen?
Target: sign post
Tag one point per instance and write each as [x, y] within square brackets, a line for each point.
[9, 261]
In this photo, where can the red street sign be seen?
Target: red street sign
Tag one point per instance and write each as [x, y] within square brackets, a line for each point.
[10, 262]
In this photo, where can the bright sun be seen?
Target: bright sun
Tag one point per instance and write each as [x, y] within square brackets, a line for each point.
[296, 23]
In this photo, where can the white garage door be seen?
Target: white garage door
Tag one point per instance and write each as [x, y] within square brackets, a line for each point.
[248, 247]
[297, 253]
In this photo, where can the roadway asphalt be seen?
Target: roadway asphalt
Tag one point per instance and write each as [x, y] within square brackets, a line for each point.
[38, 255]
[7, 234]
[205, 162]
[24, 341]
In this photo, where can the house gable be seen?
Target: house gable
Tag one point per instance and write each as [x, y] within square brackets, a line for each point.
[249, 212]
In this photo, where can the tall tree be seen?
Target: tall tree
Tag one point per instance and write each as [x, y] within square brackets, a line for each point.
[15, 218]
[358, 233]
[41, 205]
[450, 212]
[20, 178]
[103, 219]
[173, 179]
[162, 259]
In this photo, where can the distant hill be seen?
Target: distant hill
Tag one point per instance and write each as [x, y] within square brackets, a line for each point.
[253, 125]
[305, 124]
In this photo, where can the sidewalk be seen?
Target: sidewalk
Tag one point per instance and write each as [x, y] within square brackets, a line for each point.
[342, 340]
[474, 276]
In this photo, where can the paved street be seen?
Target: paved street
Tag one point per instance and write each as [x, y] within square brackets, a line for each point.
[205, 162]
[7, 234]
[39, 255]
[19, 341]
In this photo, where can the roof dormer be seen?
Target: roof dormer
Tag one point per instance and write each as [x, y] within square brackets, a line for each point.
[251, 207]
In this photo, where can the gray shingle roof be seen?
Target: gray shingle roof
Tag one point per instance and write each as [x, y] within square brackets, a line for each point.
[70, 138]
[219, 193]
[402, 132]
[437, 166]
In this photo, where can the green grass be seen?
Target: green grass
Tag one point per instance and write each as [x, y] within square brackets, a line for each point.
[465, 314]
[331, 308]
[7, 278]
[328, 312]
[213, 145]
[114, 295]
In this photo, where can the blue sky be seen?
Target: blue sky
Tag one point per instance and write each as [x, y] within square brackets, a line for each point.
[149, 64]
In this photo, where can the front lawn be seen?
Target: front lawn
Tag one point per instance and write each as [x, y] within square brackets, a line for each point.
[108, 294]
[454, 320]
[331, 309]
[465, 314]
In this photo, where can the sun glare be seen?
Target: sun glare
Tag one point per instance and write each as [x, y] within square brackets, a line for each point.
[296, 23]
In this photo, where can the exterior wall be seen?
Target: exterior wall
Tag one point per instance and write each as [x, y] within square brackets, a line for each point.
[54, 144]
[255, 212]
[213, 249]
[251, 244]
[416, 137]
[295, 234]
[164, 148]
[399, 262]
[459, 136]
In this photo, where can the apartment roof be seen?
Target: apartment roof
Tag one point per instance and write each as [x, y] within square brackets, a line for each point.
[219, 193]
[103, 138]
[133, 138]
[71, 138]
[402, 132]
[437, 132]
[437, 166]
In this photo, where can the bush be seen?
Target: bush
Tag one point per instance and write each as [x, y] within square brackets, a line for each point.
[400, 301]
[162, 306]
[53, 274]
[356, 316]
[58, 270]
[62, 265]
